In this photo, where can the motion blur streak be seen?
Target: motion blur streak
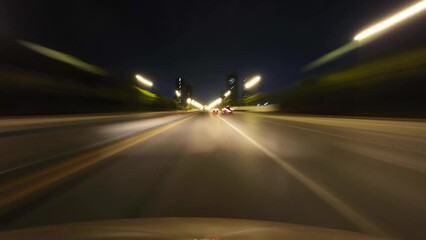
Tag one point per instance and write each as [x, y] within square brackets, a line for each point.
[214, 103]
[63, 58]
[322, 162]
[252, 82]
[356, 218]
[72, 141]
[144, 81]
[379, 27]
[14, 192]
[331, 56]
[362, 37]
[196, 104]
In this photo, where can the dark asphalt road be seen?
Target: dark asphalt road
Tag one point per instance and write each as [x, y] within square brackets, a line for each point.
[350, 174]
[27, 143]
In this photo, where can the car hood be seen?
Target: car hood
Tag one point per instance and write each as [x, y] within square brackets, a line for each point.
[181, 228]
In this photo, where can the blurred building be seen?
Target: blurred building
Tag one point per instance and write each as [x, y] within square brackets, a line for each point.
[179, 83]
[185, 92]
[232, 84]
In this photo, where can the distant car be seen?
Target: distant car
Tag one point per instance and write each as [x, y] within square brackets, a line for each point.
[227, 110]
[215, 111]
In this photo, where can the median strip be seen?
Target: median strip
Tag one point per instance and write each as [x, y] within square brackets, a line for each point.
[21, 189]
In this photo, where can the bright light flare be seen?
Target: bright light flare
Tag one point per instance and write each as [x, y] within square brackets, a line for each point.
[252, 82]
[177, 93]
[395, 19]
[197, 104]
[144, 81]
[214, 103]
[227, 93]
[188, 100]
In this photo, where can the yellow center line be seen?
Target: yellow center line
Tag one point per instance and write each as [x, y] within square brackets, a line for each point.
[18, 190]
[345, 210]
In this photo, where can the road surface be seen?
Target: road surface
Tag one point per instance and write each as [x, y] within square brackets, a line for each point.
[362, 175]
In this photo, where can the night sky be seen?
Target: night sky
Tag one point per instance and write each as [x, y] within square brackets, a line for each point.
[201, 41]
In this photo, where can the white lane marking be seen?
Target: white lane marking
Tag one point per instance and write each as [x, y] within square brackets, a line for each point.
[356, 218]
[345, 137]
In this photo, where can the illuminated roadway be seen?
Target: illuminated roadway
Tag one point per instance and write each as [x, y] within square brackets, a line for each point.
[364, 175]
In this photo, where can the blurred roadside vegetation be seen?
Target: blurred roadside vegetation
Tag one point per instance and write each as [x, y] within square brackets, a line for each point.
[34, 84]
[389, 86]
[30, 83]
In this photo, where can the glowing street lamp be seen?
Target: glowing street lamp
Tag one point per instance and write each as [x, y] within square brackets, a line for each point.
[367, 34]
[144, 81]
[252, 82]
[196, 104]
[188, 100]
[214, 103]
[393, 20]
[227, 93]
[177, 93]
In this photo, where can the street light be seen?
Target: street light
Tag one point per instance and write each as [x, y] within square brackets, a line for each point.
[188, 100]
[214, 103]
[252, 82]
[196, 104]
[395, 19]
[177, 93]
[227, 93]
[144, 81]
[361, 38]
